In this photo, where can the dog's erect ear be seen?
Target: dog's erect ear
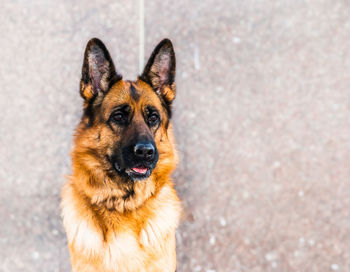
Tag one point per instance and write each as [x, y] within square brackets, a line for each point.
[160, 70]
[98, 73]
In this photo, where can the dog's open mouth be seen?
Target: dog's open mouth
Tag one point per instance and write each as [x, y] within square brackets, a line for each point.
[135, 173]
[139, 172]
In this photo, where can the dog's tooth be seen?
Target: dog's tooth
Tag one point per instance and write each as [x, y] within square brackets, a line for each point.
[117, 166]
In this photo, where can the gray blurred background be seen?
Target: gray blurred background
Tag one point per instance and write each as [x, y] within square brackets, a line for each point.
[261, 119]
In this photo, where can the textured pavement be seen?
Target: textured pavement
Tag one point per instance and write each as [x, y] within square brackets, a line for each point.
[262, 120]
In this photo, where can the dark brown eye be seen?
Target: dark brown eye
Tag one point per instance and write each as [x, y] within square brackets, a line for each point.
[153, 119]
[119, 117]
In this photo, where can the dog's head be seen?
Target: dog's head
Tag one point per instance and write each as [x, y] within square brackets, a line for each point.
[125, 123]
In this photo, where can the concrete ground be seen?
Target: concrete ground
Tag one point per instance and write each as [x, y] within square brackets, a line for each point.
[261, 118]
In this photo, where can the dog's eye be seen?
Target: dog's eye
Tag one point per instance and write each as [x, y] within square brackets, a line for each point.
[119, 117]
[153, 119]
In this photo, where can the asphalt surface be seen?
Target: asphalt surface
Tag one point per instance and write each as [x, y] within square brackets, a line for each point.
[261, 120]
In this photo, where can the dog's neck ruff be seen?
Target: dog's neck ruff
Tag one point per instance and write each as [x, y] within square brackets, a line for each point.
[123, 200]
[113, 195]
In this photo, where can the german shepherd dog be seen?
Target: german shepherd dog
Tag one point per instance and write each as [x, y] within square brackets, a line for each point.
[119, 207]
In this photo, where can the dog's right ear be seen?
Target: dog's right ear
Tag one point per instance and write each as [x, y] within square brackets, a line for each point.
[98, 73]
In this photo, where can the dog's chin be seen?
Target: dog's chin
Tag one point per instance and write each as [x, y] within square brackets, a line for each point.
[134, 173]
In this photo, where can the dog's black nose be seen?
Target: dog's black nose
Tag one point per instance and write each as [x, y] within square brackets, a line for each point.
[144, 151]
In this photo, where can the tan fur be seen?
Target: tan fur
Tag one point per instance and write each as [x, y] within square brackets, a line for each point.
[109, 229]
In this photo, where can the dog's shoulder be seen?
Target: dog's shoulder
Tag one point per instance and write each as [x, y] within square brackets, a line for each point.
[81, 227]
[164, 218]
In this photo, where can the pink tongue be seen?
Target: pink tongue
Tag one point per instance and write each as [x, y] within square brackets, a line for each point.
[140, 170]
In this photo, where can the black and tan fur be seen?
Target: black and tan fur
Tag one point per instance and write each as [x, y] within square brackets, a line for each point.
[119, 206]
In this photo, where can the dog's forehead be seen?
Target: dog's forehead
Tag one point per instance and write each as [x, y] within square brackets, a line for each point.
[132, 93]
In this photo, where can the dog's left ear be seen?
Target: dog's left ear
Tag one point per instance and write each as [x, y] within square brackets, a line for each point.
[160, 70]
